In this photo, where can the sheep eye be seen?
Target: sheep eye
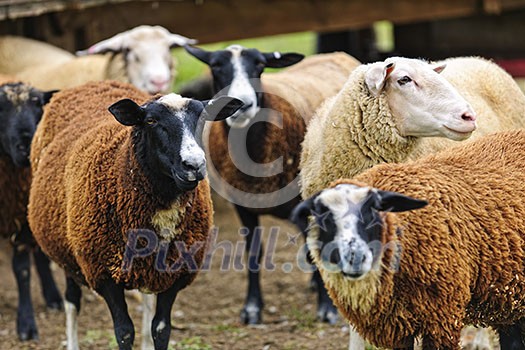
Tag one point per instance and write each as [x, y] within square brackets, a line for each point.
[404, 80]
[151, 121]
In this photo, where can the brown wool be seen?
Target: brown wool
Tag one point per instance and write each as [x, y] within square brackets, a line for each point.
[88, 192]
[475, 193]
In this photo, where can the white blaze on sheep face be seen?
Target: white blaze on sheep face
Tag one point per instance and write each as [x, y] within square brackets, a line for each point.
[422, 102]
[242, 89]
[352, 238]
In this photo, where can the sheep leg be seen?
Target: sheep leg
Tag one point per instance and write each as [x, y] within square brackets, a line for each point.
[25, 322]
[161, 325]
[252, 311]
[326, 310]
[113, 294]
[49, 288]
[72, 306]
[148, 303]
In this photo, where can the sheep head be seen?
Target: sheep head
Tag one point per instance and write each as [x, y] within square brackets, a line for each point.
[166, 133]
[423, 103]
[21, 108]
[146, 50]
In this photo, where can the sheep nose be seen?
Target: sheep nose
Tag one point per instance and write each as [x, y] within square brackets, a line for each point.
[468, 117]
[195, 171]
[160, 84]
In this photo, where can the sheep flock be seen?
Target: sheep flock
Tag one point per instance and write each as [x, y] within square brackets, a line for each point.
[405, 177]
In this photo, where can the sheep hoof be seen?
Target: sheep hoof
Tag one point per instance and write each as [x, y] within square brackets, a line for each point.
[251, 314]
[327, 312]
[27, 331]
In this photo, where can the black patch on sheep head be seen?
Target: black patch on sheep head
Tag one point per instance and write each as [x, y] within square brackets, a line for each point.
[236, 68]
[21, 108]
[166, 133]
[350, 225]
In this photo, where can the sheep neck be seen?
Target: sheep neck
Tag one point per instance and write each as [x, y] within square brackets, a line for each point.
[371, 127]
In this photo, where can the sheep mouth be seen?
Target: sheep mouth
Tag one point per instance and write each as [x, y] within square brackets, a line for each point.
[185, 184]
[463, 134]
[354, 275]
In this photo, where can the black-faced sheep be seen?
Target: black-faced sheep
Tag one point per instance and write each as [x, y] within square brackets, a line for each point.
[277, 109]
[140, 56]
[459, 260]
[103, 187]
[20, 111]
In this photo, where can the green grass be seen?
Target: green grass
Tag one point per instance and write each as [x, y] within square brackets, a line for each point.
[193, 343]
[189, 67]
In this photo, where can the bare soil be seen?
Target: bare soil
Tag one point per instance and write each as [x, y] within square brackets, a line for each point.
[206, 314]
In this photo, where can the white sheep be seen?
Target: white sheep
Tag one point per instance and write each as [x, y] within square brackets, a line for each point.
[402, 109]
[396, 275]
[140, 56]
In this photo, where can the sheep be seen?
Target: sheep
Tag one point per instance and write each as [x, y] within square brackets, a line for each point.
[116, 184]
[286, 99]
[457, 260]
[18, 53]
[391, 111]
[387, 110]
[20, 110]
[140, 56]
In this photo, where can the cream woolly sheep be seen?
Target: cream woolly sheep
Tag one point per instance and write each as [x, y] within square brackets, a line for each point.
[102, 187]
[272, 125]
[140, 56]
[21, 108]
[457, 261]
[387, 111]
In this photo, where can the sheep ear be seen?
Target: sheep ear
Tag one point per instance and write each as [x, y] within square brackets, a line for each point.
[302, 212]
[176, 40]
[281, 60]
[200, 54]
[377, 75]
[221, 108]
[127, 112]
[113, 44]
[396, 202]
[439, 68]
[46, 96]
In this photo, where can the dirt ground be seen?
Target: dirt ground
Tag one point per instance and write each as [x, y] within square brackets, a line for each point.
[205, 315]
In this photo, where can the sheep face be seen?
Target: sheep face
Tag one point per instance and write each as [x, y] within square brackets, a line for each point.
[237, 71]
[146, 49]
[20, 111]
[422, 102]
[349, 237]
[165, 134]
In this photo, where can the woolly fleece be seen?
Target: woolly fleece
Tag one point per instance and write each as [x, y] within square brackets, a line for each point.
[354, 131]
[462, 257]
[88, 192]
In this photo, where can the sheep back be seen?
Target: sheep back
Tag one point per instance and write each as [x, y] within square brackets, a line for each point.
[28, 53]
[462, 257]
[85, 158]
